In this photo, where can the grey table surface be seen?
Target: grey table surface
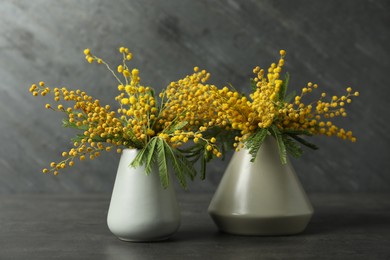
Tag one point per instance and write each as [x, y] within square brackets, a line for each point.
[47, 226]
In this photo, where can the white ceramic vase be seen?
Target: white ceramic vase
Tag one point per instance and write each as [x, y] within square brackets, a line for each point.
[140, 208]
[262, 197]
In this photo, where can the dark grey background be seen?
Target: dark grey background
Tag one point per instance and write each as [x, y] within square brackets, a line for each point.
[333, 43]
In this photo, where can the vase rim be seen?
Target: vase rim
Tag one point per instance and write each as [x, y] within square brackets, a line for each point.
[130, 150]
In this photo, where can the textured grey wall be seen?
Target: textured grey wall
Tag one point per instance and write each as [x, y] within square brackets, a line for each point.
[333, 43]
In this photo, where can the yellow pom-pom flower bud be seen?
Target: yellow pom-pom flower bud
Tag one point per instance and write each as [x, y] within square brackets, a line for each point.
[134, 73]
[132, 100]
[126, 73]
[150, 132]
[125, 101]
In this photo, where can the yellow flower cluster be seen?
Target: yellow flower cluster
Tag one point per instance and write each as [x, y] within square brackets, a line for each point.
[101, 128]
[315, 117]
[189, 109]
[191, 100]
[261, 110]
[267, 106]
[265, 97]
[139, 116]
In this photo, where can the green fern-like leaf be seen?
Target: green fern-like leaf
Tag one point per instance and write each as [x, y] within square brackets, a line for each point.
[292, 147]
[290, 96]
[162, 163]
[192, 155]
[78, 138]
[177, 167]
[283, 88]
[193, 152]
[203, 164]
[297, 132]
[188, 167]
[67, 124]
[282, 148]
[139, 158]
[207, 156]
[193, 158]
[304, 142]
[254, 142]
[150, 154]
[177, 126]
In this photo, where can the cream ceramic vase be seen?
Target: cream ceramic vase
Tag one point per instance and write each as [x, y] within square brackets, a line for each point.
[140, 208]
[262, 197]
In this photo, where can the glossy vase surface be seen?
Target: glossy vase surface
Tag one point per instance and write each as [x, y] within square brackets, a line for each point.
[140, 208]
[262, 197]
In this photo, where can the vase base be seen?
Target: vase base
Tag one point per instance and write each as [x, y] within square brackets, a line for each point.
[144, 240]
[261, 226]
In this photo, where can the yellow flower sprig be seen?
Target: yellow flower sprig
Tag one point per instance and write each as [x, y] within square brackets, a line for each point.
[101, 128]
[270, 111]
[315, 117]
[140, 122]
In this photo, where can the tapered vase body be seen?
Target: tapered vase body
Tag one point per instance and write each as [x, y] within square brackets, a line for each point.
[140, 208]
[262, 197]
